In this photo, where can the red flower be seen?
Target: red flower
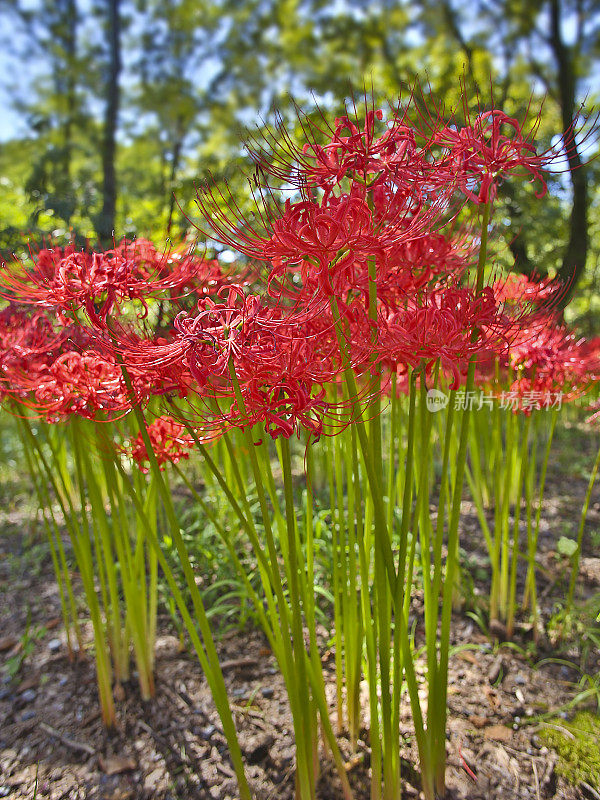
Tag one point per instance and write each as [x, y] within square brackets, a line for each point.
[438, 325]
[169, 442]
[482, 154]
[82, 384]
[545, 358]
[98, 281]
[28, 343]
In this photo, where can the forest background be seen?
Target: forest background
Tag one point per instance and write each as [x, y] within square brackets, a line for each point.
[114, 111]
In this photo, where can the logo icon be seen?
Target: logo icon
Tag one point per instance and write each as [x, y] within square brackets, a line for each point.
[436, 400]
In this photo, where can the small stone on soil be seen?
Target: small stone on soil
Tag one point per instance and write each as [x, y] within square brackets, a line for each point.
[207, 732]
[496, 670]
[28, 696]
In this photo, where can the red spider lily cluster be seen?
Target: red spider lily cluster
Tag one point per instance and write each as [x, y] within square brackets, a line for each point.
[66, 278]
[542, 357]
[56, 364]
[482, 154]
[169, 441]
[366, 248]
[356, 279]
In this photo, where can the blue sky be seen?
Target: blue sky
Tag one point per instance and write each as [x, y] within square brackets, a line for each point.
[17, 72]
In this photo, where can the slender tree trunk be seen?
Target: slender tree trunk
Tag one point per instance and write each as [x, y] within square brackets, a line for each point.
[70, 96]
[575, 254]
[177, 148]
[105, 225]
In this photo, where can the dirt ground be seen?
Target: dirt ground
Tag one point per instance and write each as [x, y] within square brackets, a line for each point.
[172, 748]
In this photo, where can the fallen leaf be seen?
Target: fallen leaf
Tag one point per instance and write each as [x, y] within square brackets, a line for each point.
[7, 642]
[153, 779]
[498, 733]
[478, 722]
[114, 765]
[492, 697]
[29, 683]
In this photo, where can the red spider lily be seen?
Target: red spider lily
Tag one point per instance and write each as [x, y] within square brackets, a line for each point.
[393, 194]
[221, 332]
[410, 266]
[326, 237]
[284, 403]
[353, 151]
[520, 293]
[66, 279]
[169, 442]
[348, 150]
[482, 154]
[590, 351]
[331, 238]
[28, 343]
[285, 389]
[545, 358]
[359, 152]
[440, 325]
[280, 364]
[81, 384]
[86, 384]
[595, 416]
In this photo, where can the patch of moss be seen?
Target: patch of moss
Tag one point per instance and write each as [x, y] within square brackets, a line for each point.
[579, 754]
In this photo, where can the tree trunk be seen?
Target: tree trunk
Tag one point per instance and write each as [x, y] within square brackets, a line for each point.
[176, 157]
[105, 226]
[575, 254]
[71, 100]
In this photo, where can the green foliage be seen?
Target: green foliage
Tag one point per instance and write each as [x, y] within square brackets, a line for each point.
[196, 75]
[27, 642]
[566, 547]
[577, 743]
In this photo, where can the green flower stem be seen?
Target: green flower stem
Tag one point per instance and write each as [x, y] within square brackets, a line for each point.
[294, 654]
[269, 624]
[530, 595]
[383, 587]
[337, 521]
[512, 582]
[272, 625]
[452, 558]
[445, 488]
[370, 630]
[501, 527]
[57, 551]
[268, 578]
[86, 479]
[577, 554]
[353, 618]
[134, 580]
[374, 476]
[83, 557]
[391, 463]
[304, 727]
[209, 658]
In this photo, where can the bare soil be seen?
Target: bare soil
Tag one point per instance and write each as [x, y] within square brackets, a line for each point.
[53, 745]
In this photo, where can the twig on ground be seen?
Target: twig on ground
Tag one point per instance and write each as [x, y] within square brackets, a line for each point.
[67, 741]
